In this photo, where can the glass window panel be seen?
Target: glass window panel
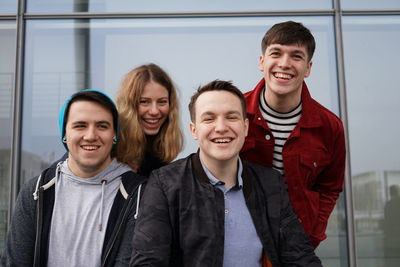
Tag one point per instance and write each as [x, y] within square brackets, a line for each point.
[63, 56]
[7, 66]
[371, 60]
[8, 6]
[137, 6]
[370, 4]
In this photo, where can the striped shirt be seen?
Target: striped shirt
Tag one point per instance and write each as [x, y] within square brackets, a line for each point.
[281, 125]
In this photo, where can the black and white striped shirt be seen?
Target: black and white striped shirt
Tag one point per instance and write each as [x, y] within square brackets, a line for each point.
[281, 125]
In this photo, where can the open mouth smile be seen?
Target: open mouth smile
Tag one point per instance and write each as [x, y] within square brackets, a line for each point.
[90, 147]
[151, 121]
[224, 140]
[284, 76]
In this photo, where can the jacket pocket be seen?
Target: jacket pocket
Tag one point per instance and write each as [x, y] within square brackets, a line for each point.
[311, 165]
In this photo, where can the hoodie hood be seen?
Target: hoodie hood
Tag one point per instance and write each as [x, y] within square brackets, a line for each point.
[109, 174]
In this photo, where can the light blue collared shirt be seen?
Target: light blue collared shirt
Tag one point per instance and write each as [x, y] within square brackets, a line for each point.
[242, 246]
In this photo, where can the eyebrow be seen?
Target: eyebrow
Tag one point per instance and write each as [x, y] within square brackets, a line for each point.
[97, 122]
[226, 113]
[297, 51]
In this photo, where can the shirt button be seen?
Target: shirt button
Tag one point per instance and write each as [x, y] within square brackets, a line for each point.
[225, 197]
[259, 118]
[315, 164]
[226, 211]
[268, 137]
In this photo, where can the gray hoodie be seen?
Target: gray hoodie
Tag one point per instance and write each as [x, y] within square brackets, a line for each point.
[80, 215]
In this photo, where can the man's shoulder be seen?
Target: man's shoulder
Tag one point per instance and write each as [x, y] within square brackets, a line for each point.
[131, 180]
[315, 111]
[324, 111]
[175, 165]
[175, 173]
[45, 176]
[260, 170]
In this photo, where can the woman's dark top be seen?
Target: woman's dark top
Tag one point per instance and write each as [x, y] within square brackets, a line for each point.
[150, 162]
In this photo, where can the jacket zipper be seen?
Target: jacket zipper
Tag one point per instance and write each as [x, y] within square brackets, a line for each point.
[107, 254]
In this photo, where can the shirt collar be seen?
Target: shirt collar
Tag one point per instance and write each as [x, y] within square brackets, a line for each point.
[214, 181]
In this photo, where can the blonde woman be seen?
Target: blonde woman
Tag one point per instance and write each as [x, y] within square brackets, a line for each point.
[149, 116]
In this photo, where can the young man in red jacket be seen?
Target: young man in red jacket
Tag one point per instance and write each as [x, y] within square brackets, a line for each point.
[293, 133]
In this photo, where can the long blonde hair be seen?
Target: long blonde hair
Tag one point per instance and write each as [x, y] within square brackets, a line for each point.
[132, 144]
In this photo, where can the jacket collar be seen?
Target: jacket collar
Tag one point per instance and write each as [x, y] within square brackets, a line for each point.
[200, 174]
[310, 108]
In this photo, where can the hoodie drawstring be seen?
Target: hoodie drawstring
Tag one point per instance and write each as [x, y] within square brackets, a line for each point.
[49, 184]
[103, 183]
[137, 202]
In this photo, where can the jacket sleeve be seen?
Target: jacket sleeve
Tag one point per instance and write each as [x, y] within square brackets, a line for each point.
[152, 237]
[20, 241]
[329, 184]
[295, 246]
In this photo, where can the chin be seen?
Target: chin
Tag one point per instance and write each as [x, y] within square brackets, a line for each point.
[152, 133]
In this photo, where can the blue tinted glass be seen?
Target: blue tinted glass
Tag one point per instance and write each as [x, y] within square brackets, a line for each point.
[8, 6]
[63, 56]
[371, 57]
[370, 4]
[7, 66]
[137, 6]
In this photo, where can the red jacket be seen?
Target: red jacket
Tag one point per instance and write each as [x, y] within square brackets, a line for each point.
[313, 157]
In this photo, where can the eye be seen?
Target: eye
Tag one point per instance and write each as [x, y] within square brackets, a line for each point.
[274, 54]
[298, 57]
[143, 101]
[103, 126]
[78, 126]
[207, 119]
[163, 102]
[232, 117]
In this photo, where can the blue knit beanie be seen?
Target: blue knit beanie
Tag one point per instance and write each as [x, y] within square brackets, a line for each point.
[64, 108]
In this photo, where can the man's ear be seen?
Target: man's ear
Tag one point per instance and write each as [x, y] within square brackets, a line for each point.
[193, 131]
[246, 126]
[309, 65]
[261, 64]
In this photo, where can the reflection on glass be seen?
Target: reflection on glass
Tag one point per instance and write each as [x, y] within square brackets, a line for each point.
[370, 4]
[68, 55]
[372, 98]
[7, 64]
[173, 6]
[8, 6]
[391, 229]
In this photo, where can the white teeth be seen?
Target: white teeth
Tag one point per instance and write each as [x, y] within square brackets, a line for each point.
[151, 121]
[283, 75]
[222, 140]
[89, 147]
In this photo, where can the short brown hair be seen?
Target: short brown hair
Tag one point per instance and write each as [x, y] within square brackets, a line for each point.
[287, 33]
[216, 85]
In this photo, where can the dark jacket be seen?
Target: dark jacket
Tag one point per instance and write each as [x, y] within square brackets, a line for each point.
[313, 158]
[28, 235]
[181, 219]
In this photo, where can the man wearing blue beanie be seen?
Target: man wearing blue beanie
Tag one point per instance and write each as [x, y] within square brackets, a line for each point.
[82, 210]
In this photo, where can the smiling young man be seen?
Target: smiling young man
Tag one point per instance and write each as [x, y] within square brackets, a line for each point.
[81, 211]
[291, 132]
[212, 209]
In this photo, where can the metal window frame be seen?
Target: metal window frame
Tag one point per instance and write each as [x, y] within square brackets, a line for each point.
[336, 12]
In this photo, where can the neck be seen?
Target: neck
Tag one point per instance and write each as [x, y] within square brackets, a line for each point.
[282, 103]
[84, 171]
[223, 170]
